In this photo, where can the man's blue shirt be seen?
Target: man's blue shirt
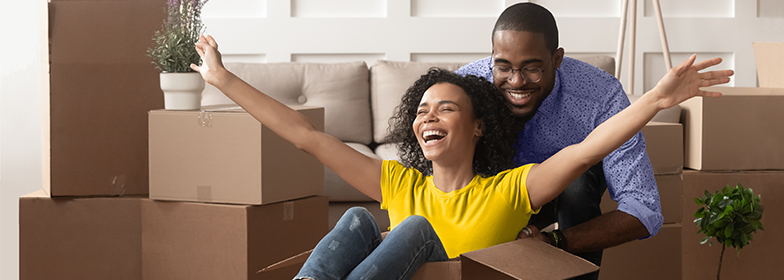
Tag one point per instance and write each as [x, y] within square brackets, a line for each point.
[582, 98]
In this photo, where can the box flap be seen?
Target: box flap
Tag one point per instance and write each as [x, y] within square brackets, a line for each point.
[769, 57]
[297, 259]
[521, 259]
[526, 259]
[38, 193]
[746, 91]
[236, 108]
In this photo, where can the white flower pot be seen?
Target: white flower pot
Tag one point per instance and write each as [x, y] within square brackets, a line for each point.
[182, 91]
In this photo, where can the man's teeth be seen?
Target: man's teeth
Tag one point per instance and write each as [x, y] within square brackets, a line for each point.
[519, 95]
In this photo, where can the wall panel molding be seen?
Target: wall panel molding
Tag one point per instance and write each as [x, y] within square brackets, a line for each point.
[454, 34]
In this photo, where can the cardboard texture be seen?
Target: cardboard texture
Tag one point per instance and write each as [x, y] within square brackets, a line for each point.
[79, 238]
[100, 86]
[664, 143]
[658, 257]
[761, 259]
[228, 157]
[185, 240]
[739, 131]
[770, 58]
[520, 259]
[670, 196]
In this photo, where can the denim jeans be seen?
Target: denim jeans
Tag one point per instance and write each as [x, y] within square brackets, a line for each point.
[354, 250]
[577, 204]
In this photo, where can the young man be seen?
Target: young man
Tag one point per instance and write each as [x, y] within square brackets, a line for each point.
[561, 100]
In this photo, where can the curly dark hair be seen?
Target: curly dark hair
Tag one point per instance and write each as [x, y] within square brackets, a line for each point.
[494, 151]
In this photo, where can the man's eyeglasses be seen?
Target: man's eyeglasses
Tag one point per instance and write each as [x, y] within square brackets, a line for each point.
[530, 74]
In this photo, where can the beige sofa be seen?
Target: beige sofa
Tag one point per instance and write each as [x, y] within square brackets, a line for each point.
[358, 103]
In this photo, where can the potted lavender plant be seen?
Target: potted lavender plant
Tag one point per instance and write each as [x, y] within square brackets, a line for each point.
[174, 51]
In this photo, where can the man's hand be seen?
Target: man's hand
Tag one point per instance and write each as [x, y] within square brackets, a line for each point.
[531, 231]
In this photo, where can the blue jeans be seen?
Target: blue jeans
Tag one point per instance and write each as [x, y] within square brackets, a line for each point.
[577, 204]
[353, 249]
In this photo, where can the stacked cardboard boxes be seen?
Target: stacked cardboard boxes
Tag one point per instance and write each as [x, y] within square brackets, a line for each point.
[228, 196]
[93, 218]
[97, 85]
[737, 139]
[662, 257]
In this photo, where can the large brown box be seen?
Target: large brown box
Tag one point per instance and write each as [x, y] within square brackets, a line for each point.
[664, 144]
[79, 238]
[742, 130]
[97, 91]
[227, 156]
[186, 240]
[670, 196]
[655, 258]
[761, 259]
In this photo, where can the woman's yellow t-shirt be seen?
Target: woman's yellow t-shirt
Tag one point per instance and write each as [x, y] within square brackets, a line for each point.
[486, 212]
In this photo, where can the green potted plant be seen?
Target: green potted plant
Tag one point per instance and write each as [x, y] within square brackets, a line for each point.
[731, 216]
[174, 51]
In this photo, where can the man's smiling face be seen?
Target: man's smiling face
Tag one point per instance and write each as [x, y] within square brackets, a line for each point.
[521, 50]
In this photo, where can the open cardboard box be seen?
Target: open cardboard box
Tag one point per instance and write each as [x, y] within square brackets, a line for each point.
[520, 259]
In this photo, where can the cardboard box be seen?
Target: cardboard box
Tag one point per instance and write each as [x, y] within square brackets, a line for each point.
[658, 257]
[99, 88]
[227, 156]
[664, 143]
[185, 240]
[770, 58]
[761, 259]
[742, 130]
[670, 195]
[79, 238]
[520, 259]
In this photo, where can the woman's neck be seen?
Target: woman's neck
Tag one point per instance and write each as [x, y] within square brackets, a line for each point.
[452, 176]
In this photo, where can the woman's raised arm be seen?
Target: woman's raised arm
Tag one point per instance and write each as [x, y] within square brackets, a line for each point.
[361, 171]
[548, 179]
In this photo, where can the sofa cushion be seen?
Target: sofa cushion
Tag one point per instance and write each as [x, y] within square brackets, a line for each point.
[387, 151]
[389, 80]
[341, 88]
[338, 189]
[606, 63]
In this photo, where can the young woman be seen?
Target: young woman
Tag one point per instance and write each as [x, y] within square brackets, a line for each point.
[455, 193]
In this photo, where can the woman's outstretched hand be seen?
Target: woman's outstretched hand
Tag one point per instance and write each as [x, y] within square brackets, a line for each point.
[211, 68]
[684, 81]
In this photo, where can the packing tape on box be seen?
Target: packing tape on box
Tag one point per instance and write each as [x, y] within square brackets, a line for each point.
[205, 115]
[288, 211]
[117, 187]
[205, 118]
[204, 193]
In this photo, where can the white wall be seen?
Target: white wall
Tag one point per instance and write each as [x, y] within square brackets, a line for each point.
[403, 30]
[20, 121]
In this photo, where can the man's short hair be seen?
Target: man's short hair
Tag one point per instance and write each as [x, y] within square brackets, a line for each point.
[529, 17]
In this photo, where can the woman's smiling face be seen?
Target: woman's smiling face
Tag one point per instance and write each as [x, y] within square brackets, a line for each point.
[445, 126]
